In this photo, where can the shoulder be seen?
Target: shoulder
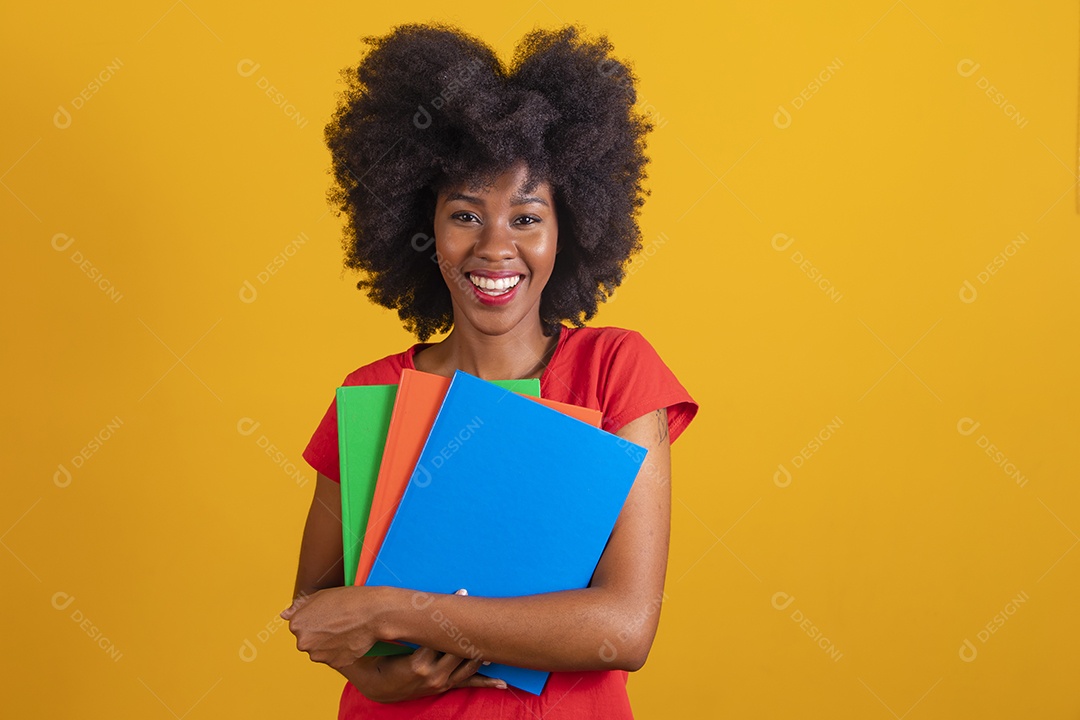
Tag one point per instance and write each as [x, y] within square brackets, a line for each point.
[631, 378]
[608, 344]
[605, 338]
[384, 371]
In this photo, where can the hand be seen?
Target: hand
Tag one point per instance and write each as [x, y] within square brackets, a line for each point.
[394, 678]
[333, 625]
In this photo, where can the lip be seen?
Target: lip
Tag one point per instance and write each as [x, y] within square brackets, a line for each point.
[493, 274]
[503, 299]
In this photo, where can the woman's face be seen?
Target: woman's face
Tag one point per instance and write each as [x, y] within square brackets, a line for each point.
[496, 249]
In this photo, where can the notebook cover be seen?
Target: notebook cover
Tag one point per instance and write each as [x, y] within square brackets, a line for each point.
[363, 413]
[536, 492]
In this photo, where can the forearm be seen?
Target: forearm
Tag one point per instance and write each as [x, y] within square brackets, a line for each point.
[358, 673]
[594, 628]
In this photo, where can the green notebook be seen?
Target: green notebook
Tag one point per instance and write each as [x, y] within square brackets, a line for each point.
[363, 413]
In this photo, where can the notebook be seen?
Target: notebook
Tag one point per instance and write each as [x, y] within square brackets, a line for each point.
[415, 407]
[532, 492]
[364, 420]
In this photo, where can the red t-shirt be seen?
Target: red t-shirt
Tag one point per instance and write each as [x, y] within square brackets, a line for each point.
[609, 369]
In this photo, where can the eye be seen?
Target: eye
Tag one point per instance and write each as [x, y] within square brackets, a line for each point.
[528, 220]
[465, 216]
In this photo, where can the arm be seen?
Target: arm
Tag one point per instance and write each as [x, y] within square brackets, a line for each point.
[609, 625]
[321, 552]
[383, 679]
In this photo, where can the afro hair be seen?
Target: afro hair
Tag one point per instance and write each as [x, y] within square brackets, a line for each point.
[429, 105]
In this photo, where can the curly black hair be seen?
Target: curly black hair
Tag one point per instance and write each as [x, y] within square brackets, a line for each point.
[429, 105]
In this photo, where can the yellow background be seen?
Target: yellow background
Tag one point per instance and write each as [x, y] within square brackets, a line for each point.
[898, 538]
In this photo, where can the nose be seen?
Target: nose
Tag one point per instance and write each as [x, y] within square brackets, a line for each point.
[495, 242]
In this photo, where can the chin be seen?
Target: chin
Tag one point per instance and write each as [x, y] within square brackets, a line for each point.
[494, 326]
[491, 322]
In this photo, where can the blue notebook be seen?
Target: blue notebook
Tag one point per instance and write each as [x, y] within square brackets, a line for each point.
[537, 493]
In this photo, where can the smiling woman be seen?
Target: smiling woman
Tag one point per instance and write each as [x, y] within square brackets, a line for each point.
[527, 181]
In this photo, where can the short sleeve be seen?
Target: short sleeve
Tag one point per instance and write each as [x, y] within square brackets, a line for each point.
[639, 382]
[321, 452]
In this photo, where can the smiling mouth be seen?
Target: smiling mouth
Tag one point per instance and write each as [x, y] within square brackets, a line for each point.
[492, 286]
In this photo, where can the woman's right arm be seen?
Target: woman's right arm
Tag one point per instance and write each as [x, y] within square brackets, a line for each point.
[384, 679]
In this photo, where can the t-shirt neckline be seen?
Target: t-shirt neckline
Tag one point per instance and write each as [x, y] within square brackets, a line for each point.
[563, 332]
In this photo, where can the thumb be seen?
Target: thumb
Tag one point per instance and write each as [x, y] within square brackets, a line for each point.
[462, 591]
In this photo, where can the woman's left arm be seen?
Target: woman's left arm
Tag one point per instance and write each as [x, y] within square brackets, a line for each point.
[608, 625]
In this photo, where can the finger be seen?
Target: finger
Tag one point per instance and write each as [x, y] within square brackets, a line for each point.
[482, 681]
[462, 591]
[424, 655]
[465, 669]
[448, 662]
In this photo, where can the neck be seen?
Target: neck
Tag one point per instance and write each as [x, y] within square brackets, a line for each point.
[522, 352]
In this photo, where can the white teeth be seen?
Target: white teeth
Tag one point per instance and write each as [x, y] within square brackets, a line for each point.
[500, 285]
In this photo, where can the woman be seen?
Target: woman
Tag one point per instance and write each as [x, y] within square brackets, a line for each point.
[496, 204]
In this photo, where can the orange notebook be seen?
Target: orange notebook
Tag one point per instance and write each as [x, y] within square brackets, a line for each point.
[418, 400]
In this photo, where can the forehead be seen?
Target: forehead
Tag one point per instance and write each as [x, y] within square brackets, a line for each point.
[515, 180]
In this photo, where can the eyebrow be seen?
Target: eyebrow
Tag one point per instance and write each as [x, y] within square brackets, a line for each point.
[516, 200]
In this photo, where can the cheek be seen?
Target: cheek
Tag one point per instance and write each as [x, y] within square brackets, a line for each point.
[448, 253]
[545, 256]
[449, 249]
